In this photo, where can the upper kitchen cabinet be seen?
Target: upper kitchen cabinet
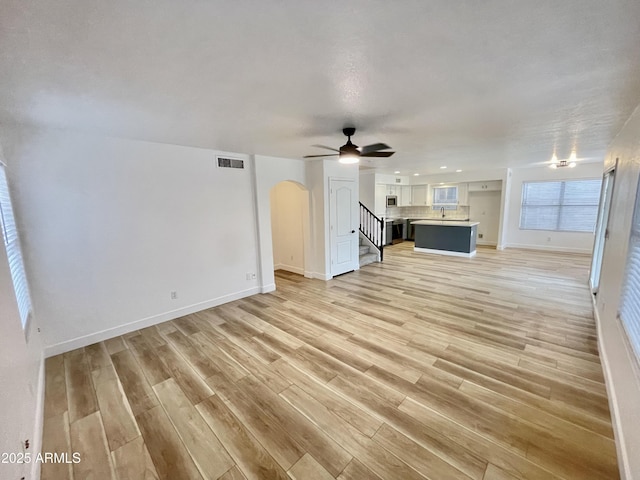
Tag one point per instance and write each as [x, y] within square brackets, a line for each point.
[404, 195]
[491, 185]
[380, 199]
[463, 194]
[419, 195]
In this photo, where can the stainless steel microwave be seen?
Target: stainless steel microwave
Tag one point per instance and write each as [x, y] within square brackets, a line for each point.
[392, 201]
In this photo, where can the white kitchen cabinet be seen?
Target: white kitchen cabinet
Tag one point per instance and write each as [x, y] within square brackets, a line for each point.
[463, 194]
[404, 197]
[381, 200]
[419, 195]
[392, 189]
[491, 185]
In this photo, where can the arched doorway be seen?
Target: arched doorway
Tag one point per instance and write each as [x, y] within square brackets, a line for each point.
[290, 226]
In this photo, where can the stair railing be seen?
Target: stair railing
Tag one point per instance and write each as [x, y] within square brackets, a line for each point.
[372, 228]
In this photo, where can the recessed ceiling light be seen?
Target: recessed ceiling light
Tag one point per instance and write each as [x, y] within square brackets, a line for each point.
[458, 171]
[443, 167]
[416, 174]
[396, 172]
[441, 183]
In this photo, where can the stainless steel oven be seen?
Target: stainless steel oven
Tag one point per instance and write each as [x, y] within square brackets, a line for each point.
[398, 226]
[392, 201]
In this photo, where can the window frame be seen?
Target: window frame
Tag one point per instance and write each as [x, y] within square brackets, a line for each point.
[13, 249]
[629, 309]
[559, 206]
[444, 204]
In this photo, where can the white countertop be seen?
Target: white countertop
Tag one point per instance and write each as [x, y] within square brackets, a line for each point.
[446, 223]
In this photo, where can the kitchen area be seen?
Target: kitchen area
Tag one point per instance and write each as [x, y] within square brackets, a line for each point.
[441, 217]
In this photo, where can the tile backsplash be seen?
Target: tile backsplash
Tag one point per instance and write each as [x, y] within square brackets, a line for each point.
[461, 212]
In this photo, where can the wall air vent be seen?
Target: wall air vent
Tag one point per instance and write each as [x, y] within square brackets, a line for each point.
[225, 162]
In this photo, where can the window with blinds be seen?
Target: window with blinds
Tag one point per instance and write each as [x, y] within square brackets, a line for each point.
[565, 206]
[445, 195]
[630, 302]
[12, 245]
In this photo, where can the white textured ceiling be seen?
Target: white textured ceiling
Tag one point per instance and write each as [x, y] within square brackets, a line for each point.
[467, 84]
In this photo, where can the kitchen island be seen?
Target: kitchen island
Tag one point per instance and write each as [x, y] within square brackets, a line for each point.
[446, 237]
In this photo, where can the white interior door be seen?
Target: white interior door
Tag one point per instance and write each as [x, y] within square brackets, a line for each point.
[343, 220]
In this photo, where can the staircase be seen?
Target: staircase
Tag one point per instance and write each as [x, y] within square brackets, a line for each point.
[371, 241]
[366, 255]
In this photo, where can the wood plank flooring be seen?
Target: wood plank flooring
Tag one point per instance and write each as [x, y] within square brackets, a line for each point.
[419, 367]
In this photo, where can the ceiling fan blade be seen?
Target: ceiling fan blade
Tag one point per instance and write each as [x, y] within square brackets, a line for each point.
[325, 155]
[328, 148]
[373, 148]
[377, 154]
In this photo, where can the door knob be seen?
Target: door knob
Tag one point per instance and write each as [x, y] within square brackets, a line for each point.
[353, 231]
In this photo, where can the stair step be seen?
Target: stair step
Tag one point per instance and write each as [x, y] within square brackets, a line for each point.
[364, 249]
[368, 258]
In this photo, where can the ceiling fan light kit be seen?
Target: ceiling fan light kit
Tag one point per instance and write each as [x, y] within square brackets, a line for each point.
[348, 159]
[350, 153]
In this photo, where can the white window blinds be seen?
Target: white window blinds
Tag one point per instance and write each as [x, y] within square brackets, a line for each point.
[568, 206]
[445, 195]
[12, 245]
[630, 304]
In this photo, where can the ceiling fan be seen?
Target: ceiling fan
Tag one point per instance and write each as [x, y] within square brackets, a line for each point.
[350, 153]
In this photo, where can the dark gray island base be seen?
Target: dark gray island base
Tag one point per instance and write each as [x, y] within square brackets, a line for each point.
[446, 238]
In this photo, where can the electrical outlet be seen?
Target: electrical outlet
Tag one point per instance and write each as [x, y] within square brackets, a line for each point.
[174, 295]
[480, 235]
[548, 239]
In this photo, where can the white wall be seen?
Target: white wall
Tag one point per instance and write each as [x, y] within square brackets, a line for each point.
[466, 176]
[540, 239]
[318, 175]
[621, 371]
[484, 207]
[21, 375]
[367, 191]
[112, 226]
[289, 205]
[270, 171]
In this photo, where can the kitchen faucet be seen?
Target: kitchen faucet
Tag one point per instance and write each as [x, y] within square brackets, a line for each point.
[442, 211]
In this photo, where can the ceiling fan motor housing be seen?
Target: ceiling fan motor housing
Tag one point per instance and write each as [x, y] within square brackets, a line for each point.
[349, 149]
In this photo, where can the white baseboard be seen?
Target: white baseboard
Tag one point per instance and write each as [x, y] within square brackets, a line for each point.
[268, 288]
[321, 276]
[623, 456]
[548, 248]
[445, 252]
[289, 268]
[36, 439]
[92, 338]
[486, 244]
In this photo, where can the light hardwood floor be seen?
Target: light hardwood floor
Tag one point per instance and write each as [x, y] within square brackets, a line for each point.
[419, 367]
